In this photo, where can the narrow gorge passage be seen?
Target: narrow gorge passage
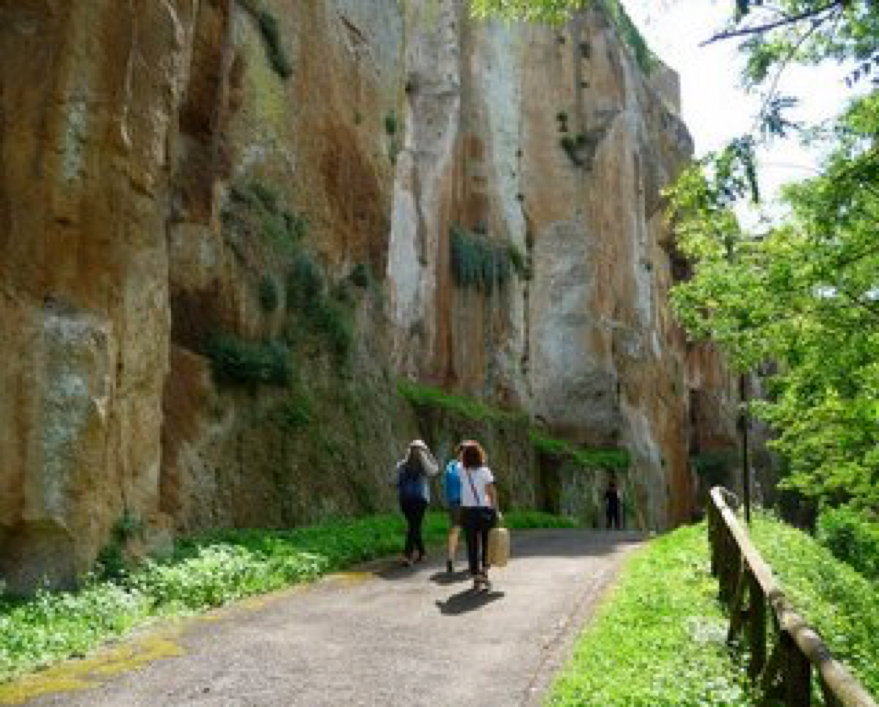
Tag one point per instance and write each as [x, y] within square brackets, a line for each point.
[388, 636]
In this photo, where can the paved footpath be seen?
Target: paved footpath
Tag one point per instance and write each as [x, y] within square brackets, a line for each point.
[386, 635]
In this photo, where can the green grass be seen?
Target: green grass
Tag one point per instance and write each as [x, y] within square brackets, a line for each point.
[204, 572]
[852, 536]
[840, 603]
[476, 410]
[462, 405]
[237, 361]
[478, 261]
[610, 459]
[271, 36]
[659, 639]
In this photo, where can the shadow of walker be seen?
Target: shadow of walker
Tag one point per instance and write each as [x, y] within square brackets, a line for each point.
[468, 600]
[446, 578]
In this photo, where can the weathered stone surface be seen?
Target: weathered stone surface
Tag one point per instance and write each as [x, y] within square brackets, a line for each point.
[125, 134]
[89, 102]
[586, 343]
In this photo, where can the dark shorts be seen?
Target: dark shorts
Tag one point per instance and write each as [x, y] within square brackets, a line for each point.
[455, 516]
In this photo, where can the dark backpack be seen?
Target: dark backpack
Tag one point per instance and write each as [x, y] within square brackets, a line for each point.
[410, 484]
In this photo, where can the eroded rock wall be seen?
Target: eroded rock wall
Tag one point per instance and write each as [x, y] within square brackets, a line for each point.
[556, 144]
[174, 171]
[89, 112]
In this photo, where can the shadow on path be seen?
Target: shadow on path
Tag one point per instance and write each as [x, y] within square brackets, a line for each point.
[468, 600]
[446, 578]
[558, 543]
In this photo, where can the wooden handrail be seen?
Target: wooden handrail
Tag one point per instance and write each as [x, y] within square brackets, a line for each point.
[741, 570]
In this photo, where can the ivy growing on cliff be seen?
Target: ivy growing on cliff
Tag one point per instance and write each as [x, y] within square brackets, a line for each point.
[255, 206]
[255, 209]
[478, 261]
[271, 36]
[588, 458]
[236, 360]
[470, 408]
[464, 406]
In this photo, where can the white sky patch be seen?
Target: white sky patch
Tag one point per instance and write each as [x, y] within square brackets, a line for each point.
[715, 107]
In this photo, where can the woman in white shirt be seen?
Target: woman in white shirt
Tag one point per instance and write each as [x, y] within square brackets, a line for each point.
[479, 506]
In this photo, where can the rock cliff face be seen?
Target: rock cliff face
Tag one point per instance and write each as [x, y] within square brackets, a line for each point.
[555, 144]
[227, 226]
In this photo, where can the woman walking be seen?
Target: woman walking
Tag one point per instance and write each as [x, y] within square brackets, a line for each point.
[413, 493]
[452, 495]
[479, 505]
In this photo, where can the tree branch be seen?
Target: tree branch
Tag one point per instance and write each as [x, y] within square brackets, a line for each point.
[787, 20]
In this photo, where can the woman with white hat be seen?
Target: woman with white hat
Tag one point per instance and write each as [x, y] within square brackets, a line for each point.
[413, 493]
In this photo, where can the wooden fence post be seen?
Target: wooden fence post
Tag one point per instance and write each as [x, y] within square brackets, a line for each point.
[796, 647]
[756, 626]
[797, 674]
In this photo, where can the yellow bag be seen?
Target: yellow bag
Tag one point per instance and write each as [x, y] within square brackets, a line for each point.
[498, 546]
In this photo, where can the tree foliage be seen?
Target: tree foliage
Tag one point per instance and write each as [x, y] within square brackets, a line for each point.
[798, 299]
[556, 11]
[527, 10]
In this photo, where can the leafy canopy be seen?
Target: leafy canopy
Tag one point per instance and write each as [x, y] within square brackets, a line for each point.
[556, 11]
[798, 299]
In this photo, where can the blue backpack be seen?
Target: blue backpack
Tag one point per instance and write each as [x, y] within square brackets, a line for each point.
[410, 485]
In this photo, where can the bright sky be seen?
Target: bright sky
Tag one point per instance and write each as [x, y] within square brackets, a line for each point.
[714, 107]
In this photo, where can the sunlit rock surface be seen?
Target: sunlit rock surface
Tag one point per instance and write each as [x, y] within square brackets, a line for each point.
[125, 130]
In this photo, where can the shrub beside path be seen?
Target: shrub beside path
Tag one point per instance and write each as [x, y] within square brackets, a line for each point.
[383, 635]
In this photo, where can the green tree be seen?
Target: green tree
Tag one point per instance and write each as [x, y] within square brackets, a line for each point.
[528, 10]
[556, 11]
[798, 298]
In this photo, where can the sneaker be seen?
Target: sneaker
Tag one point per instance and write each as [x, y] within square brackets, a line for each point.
[449, 567]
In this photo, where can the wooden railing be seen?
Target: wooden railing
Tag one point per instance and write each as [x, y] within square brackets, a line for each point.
[748, 588]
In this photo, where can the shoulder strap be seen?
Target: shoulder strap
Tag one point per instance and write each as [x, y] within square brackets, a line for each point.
[475, 493]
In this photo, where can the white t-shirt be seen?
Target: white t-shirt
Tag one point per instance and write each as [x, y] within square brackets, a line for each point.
[480, 478]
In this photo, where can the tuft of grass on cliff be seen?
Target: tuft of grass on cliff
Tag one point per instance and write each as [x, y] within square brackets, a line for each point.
[204, 572]
[467, 407]
[421, 395]
[610, 459]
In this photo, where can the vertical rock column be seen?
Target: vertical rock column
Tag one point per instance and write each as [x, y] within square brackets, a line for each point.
[424, 180]
[89, 93]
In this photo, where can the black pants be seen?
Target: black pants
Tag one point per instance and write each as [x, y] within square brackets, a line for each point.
[413, 509]
[613, 517]
[477, 522]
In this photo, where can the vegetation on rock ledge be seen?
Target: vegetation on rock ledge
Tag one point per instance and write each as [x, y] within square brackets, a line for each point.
[609, 459]
[268, 28]
[477, 410]
[556, 11]
[480, 262]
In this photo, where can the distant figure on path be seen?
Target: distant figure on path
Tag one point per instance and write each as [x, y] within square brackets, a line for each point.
[479, 503]
[413, 493]
[612, 505]
[452, 496]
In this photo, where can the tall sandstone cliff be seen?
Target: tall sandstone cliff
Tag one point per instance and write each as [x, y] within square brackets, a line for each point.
[174, 170]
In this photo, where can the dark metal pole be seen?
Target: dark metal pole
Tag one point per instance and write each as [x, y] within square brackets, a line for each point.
[743, 426]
